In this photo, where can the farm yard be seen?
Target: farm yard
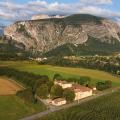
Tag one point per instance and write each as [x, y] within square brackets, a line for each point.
[103, 108]
[7, 87]
[66, 72]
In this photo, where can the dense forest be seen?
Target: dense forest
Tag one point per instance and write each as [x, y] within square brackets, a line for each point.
[93, 46]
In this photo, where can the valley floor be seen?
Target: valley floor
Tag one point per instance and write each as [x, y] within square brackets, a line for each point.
[14, 108]
[66, 72]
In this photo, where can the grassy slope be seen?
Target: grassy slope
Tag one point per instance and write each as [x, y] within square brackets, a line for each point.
[104, 108]
[65, 71]
[13, 108]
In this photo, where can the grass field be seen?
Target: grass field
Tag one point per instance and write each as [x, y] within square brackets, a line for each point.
[14, 108]
[7, 87]
[67, 72]
[103, 108]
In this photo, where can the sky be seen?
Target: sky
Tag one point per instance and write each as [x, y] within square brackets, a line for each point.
[18, 10]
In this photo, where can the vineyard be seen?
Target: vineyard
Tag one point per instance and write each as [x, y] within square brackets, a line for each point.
[104, 108]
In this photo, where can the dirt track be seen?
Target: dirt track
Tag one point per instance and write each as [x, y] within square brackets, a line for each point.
[7, 87]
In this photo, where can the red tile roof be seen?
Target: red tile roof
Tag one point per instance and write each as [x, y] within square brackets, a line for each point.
[79, 88]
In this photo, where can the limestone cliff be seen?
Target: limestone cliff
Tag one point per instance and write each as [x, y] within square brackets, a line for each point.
[46, 34]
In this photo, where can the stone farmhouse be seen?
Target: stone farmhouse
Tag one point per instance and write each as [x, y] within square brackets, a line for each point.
[80, 92]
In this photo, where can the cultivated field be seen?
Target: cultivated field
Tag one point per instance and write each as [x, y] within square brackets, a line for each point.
[67, 72]
[7, 87]
[103, 108]
[14, 108]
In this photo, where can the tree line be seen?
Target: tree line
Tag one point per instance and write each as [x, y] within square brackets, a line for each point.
[88, 62]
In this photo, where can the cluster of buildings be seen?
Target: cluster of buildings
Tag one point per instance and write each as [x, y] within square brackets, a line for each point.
[80, 92]
[38, 59]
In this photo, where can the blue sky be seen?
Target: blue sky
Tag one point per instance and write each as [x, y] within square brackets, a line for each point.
[16, 10]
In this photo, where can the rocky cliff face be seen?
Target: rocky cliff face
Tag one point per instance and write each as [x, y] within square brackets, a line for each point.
[46, 34]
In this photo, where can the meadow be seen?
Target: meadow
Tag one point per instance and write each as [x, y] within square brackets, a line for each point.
[14, 108]
[66, 72]
[103, 108]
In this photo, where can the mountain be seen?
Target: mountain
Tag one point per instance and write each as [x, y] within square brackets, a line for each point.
[45, 35]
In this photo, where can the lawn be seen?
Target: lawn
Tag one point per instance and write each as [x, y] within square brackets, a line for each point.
[67, 72]
[103, 108]
[14, 108]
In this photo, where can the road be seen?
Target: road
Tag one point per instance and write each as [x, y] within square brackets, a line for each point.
[41, 114]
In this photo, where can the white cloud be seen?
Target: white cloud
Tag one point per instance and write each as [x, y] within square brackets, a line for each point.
[13, 12]
[37, 3]
[96, 1]
[99, 11]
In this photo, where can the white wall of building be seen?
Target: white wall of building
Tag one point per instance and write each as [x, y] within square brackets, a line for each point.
[64, 85]
[59, 103]
[80, 95]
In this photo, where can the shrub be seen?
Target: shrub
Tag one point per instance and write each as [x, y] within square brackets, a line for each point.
[42, 91]
[69, 95]
[56, 91]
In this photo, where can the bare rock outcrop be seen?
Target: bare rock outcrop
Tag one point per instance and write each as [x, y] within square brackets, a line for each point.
[46, 34]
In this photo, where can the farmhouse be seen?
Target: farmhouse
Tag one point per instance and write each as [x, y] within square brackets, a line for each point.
[63, 84]
[81, 91]
[59, 101]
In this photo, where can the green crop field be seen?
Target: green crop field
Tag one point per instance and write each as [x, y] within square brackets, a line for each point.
[103, 108]
[66, 72]
[14, 108]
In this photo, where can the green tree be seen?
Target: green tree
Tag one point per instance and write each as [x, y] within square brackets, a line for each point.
[56, 91]
[84, 80]
[27, 96]
[69, 95]
[108, 84]
[50, 83]
[42, 91]
[57, 77]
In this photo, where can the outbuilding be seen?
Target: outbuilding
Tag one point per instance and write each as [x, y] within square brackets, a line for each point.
[59, 101]
[63, 84]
